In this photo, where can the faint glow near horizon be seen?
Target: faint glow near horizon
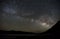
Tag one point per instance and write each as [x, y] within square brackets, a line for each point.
[45, 24]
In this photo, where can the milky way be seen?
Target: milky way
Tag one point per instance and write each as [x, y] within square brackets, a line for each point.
[29, 16]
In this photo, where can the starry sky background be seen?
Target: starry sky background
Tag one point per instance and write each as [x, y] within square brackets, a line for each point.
[35, 7]
[27, 8]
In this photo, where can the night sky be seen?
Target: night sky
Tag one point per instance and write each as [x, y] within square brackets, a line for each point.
[29, 15]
